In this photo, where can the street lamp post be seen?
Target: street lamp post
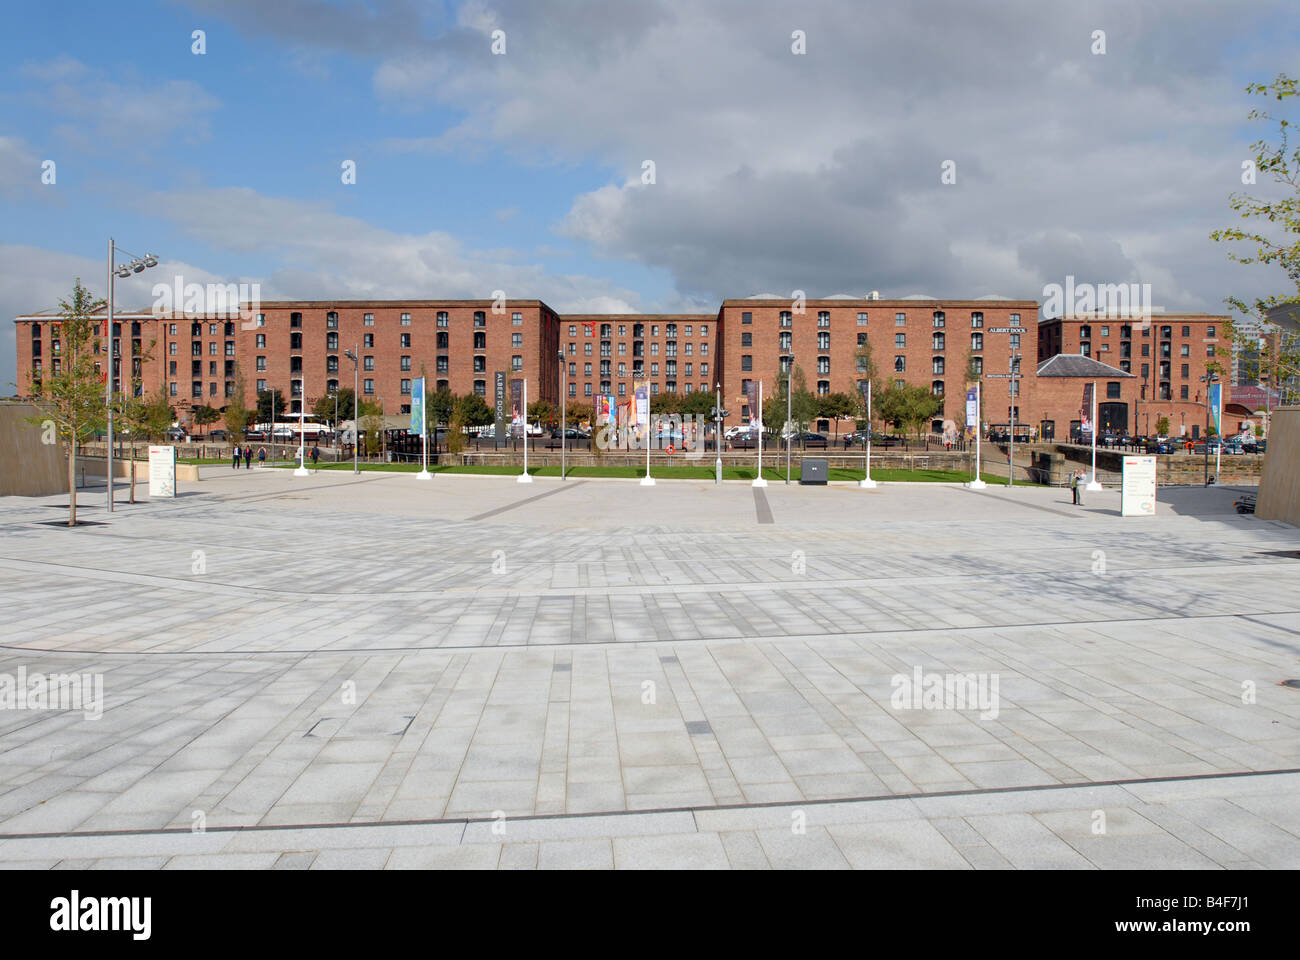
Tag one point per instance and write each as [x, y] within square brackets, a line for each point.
[789, 415]
[1011, 448]
[356, 406]
[564, 425]
[717, 434]
[1208, 379]
[137, 265]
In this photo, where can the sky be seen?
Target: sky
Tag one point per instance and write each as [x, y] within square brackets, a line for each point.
[505, 146]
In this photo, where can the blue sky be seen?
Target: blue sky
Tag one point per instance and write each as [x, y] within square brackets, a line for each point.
[522, 171]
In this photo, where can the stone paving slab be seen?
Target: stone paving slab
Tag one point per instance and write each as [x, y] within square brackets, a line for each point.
[333, 656]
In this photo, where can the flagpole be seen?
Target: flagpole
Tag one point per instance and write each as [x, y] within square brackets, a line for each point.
[647, 480]
[978, 483]
[759, 481]
[1092, 483]
[524, 477]
[424, 473]
[868, 483]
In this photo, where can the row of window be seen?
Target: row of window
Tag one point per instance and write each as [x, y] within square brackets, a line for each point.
[1126, 331]
[638, 330]
[938, 319]
[442, 319]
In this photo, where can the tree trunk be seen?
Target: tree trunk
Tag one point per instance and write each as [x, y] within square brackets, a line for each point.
[72, 484]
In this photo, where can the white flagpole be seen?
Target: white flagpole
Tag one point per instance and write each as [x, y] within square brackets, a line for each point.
[978, 483]
[524, 477]
[759, 481]
[1218, 451]
[424, 473]
[868, 483]
[302, 436]
[1092, 483]
[647, 480]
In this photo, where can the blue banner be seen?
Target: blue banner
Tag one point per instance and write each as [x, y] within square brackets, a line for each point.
[1216, 406]
[417, 407]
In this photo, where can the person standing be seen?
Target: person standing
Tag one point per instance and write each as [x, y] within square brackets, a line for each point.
[248, 458]
[234, 458]
[1074, 486]
[261, 456]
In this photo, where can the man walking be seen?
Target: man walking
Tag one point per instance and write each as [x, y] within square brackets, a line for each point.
[1074, 486]
[315, 454]
[248, 458]
[234, 458]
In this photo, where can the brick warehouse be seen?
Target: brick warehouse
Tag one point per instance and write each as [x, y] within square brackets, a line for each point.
[1168, 356]
[915, 340]
[298, 347]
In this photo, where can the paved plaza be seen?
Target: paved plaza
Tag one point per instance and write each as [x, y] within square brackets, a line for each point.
[377, 671]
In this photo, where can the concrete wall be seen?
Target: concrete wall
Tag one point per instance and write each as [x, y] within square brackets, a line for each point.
[28, 468]
[95, 467]
[1279, 488]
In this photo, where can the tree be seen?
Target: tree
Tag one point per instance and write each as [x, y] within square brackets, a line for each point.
[371, 426]
[698, 404]
[440, 405]
[471, 410]
[576, 413]
[909, 405]
[1162, 426]
[837, 407]
[1279, 356]
[334, 407]
[264, 405]
[541, 411]
[236, 412]
[205, 415]
[665, 404]
[71, 401]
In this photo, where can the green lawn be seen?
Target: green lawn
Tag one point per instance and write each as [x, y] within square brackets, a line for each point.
[698, 472]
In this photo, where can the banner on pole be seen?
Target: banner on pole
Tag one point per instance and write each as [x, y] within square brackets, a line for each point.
[1216, 407]
[516, 408]
[501, 410]
[417, 407]
[972, 412]
[755, 411]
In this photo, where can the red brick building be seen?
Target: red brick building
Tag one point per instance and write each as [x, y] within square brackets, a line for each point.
[298, 347]
[1061, 403]
[940, 344]
[608, 353]
[1169, 356]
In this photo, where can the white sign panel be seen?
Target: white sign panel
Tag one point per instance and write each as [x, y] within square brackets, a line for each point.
[162, 472]
[1138, 489]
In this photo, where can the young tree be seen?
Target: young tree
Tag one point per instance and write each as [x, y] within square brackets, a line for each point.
[440, 405]
[472, 411]
[236, 412]
[541, 411]
[698, 404]
[334, 407]
[909, 405]
[264, 405]
[665, 403]
[1275, 235]
[576, 413]
[72, 401]
[205, 415]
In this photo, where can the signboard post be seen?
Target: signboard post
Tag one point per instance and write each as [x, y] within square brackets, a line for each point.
[1092, 481]
[973, 424]
[417, 423]
[162, 472]
[499, 427]
[1137, 496]
[524, 477]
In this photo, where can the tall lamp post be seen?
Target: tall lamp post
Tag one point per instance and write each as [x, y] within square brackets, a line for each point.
[137, 265]
[1208, 379]
[356, 406]
[717, 434]
[789, 415]
[1011, 449]
[564, 424]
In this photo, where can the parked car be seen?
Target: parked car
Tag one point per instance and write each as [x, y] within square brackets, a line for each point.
[572, 433]
[810, 440]
[1245, 503]
[218, 436]
[858, 438]
[736, 431]
[176, 435]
